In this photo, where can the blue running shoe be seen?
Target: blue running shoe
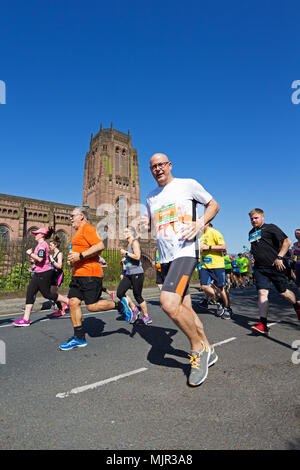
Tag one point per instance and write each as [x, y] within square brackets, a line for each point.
[72, 343]
[126, 310]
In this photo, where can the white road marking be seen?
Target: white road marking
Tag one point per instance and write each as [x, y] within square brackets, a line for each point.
[84, 388]
[274, 323]
[225, 341]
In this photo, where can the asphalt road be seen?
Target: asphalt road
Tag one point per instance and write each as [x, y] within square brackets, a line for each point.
[127, 390]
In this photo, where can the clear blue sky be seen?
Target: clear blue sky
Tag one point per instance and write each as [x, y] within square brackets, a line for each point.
[207, 83]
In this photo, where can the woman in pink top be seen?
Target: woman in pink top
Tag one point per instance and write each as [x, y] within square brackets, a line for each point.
[42, 277]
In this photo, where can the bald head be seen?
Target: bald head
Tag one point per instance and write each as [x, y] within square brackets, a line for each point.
[158, 157]
[160, 167]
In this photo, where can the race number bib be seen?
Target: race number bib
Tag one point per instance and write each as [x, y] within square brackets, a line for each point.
[165, 216]
[253, 237]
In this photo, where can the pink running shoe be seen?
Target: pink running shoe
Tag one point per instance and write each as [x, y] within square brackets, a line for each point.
[135, 314]
[58, 313]
[21, 322]
[147, 320]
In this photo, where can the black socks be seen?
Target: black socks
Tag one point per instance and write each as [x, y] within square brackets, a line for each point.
[119, 306]
[79, 332]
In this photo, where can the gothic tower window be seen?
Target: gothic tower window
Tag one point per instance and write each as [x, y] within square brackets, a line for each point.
[134, 165]
[124, 163]
[117, 160]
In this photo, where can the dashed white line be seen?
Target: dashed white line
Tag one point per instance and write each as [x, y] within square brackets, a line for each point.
[84, 388]
[274, 323]
[225, 341]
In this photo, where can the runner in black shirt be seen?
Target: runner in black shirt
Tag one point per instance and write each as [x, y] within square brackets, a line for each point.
[269, 244]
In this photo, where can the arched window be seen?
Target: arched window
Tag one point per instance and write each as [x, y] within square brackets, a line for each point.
[117, 160]
[63, 239]
[4, 234]
[124, 163]
[30, 240]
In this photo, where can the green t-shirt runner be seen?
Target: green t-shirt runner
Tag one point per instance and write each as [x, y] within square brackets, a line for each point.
[242, 264]
[227, 261]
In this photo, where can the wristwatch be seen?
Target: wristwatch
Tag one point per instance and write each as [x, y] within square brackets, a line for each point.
[81, 256]
[279, 257]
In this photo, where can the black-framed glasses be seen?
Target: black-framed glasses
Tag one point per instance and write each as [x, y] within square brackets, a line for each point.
[158, 166]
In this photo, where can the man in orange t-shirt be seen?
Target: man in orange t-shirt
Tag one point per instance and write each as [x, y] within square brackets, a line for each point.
[86, 283]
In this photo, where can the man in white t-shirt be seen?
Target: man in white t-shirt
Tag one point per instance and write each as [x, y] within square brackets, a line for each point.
[172, 209]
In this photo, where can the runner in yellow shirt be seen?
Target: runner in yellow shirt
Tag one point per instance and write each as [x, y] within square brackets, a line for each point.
[212, 245]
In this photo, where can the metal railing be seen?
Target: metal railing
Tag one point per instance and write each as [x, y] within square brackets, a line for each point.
[15, 267]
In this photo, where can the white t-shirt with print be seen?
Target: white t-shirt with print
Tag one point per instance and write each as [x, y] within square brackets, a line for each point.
[169, 207]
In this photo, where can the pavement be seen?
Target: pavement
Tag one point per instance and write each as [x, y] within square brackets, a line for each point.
[127, 390]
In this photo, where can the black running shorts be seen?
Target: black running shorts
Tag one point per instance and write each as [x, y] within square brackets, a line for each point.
[86, 288]
[159, 279]
[176, 275]
[265, 276]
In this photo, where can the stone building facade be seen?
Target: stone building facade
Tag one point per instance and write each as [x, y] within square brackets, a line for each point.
[20, 215]
[111, 192]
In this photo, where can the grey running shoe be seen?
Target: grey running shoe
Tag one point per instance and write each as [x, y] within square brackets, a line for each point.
[213, 357]
[199, 365]
[226, 314]
[220, 310]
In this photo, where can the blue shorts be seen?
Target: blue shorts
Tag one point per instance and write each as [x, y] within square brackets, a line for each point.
[217, 275]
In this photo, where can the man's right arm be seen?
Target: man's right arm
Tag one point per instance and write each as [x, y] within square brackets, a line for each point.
[193, 228]
[93, 250]
[211, 210]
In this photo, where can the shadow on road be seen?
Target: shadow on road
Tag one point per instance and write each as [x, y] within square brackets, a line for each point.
[160, 340]
[94, 327]
[6, 321]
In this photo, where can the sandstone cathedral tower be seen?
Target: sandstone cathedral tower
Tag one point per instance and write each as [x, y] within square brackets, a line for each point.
[111, 185]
